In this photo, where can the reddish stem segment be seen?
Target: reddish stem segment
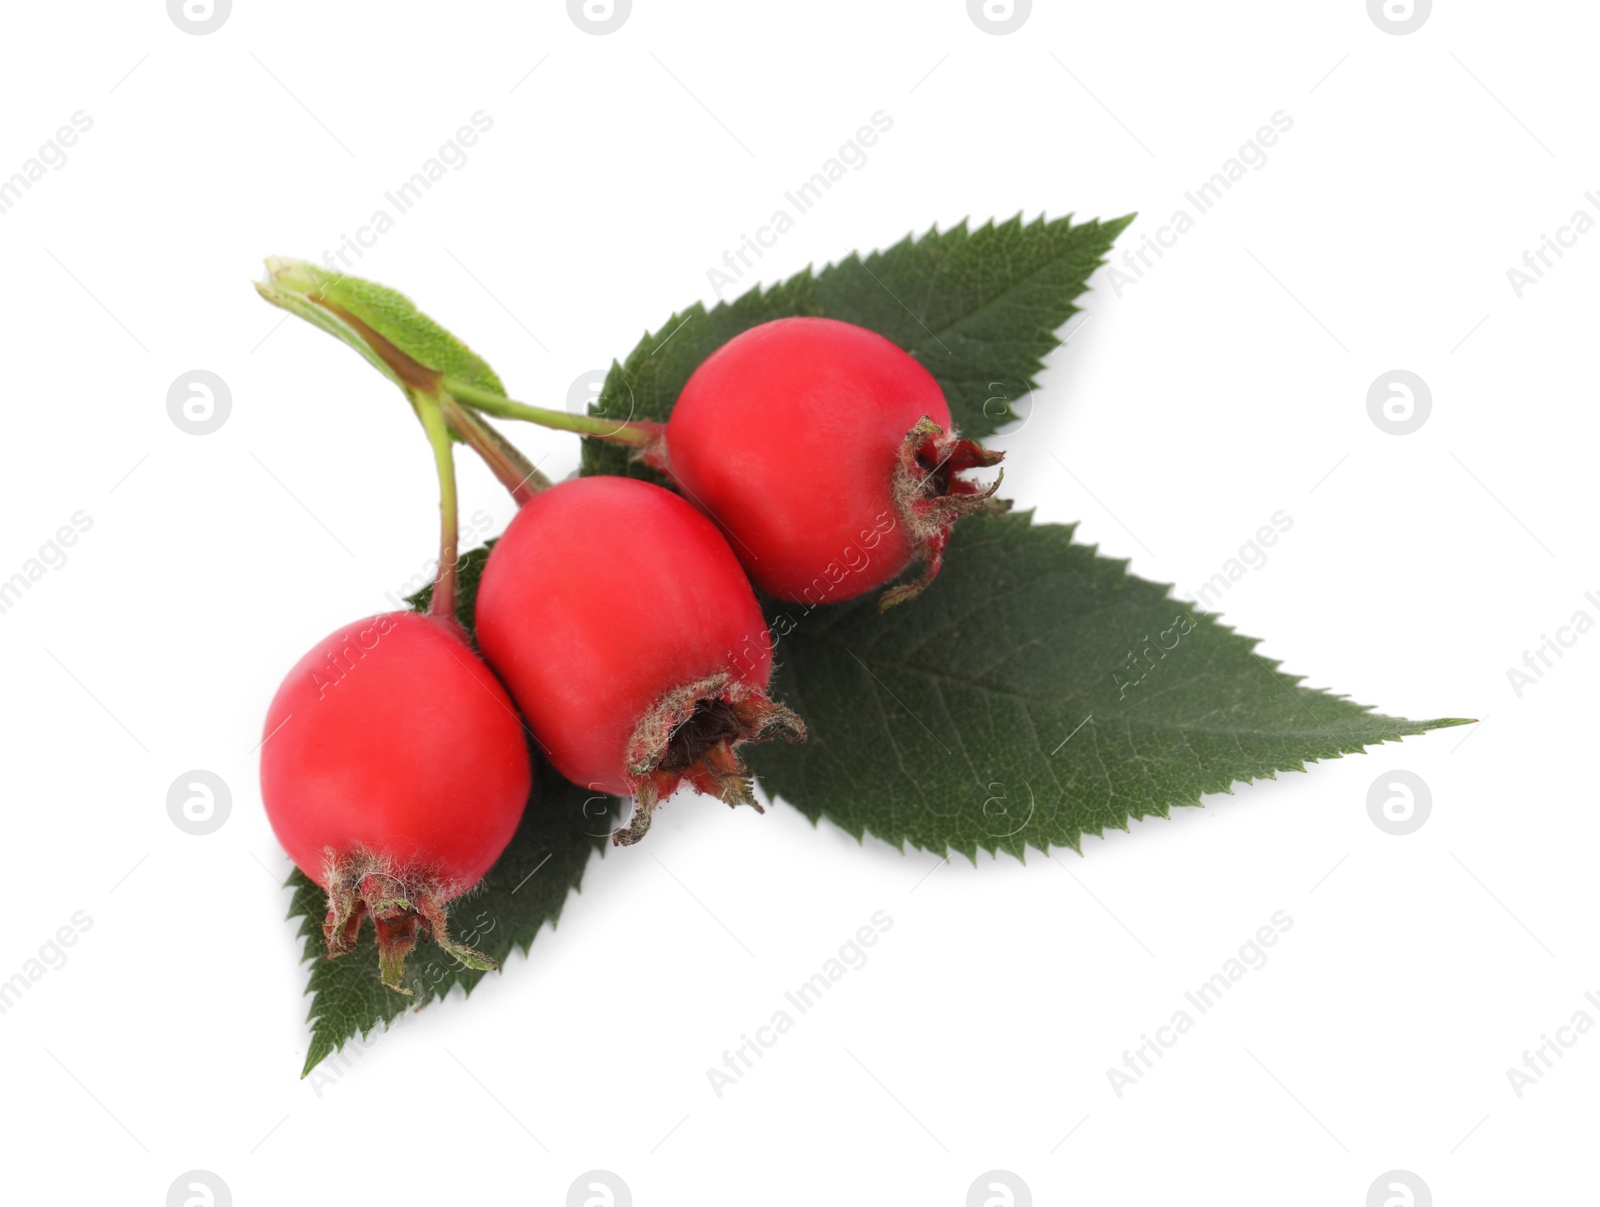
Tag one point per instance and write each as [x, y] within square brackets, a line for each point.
[513, 470]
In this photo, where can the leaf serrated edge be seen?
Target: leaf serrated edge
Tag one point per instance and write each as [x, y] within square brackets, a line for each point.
[1022, 521]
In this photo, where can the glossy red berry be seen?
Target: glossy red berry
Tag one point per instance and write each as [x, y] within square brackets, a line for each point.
[826, 454]
[394, 771]
[630, 638]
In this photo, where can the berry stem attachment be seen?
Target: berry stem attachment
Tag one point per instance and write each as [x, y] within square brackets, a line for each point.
[431, 413]
[640, 434]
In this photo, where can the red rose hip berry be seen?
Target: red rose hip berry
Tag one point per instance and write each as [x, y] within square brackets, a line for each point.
[394, 772]
[826, 454]
[630, 638]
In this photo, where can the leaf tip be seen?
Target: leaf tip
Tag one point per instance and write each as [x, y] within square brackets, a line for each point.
[317, 1053]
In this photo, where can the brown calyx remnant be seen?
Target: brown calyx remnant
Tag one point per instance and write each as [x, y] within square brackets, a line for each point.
[404, 908]
[691, 735]
[931, 495]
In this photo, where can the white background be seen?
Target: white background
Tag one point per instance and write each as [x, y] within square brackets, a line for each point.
[1226, 384]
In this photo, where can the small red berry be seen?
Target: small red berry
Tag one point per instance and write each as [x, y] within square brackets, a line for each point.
[394, 772]
[632, 642]
[826, 454]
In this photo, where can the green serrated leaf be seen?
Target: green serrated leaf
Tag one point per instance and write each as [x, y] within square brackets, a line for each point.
[979, 308]
[564, 826]
[1037, 692]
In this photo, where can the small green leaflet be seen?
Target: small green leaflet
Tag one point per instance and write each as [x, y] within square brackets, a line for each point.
[390, 313]
[1037, 692]
[562, 829]
[293, 284]
[980, 309]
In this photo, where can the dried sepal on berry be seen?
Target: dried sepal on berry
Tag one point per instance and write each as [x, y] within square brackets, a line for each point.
[692, 735]
[931, 495]
[404, 907]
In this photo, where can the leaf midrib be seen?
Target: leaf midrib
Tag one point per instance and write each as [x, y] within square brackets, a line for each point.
[1120, 718]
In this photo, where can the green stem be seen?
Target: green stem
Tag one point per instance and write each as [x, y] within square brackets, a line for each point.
[513, 470]
[636, 435]
[431, 412]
